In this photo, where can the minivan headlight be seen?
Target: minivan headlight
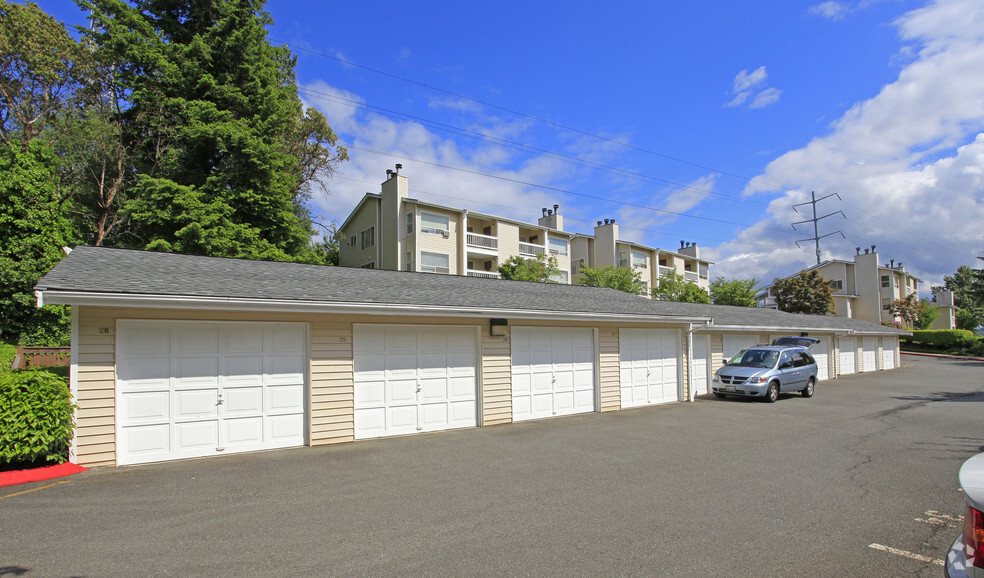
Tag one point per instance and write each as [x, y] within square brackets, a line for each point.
[756, 380]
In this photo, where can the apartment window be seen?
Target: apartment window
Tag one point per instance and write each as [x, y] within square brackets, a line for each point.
[409, 223]
[560, 277]
[369, 265]
[368, 237]
[885, 281]
[638, 259]
[576, 266]
[837, 284]
[558, 246]
[623, 258]
[886, 303]
[434, 262]
[353, 240]
[433, 223]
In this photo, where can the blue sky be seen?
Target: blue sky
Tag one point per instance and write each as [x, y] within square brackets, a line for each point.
[702, 121]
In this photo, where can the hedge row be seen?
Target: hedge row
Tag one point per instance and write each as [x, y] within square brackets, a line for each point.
[35, 416]
[944, 338]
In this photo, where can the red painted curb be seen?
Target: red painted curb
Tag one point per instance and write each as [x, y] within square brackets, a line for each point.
[39, 474]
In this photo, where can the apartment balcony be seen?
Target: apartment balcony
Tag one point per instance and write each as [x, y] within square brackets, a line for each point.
[482, 274]
[482, 244]
[531, 250]
[665, 270]
[769, 302]
[690, 276]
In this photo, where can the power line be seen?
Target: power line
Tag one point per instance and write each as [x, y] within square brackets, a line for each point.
[567, 191]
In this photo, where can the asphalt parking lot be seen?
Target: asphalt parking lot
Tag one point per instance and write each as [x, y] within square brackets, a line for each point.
[859, 480]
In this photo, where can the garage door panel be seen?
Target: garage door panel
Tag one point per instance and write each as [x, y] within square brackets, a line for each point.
[648, 360]
[242, 371]
[285, 369]
[285, 398]
[286, 338]
[194, 403]
[285, 430]
[246, 339]
[146, 340]
[146, 406]
[212, 387]
[141, 373]
[848, 355]
[243, 431]
[558, 363]
[148, 440]
[196, 371]
[425, 369]
[196, 339]
[197, 435]
[243, 400]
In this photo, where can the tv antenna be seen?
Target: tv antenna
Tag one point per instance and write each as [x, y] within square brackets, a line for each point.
[815, 220]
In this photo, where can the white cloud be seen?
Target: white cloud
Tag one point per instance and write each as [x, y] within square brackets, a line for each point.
[746, 83]
[376, 143]
[745, 80]
[670, 201]
[919, 192]
[830, 10]
[765, 98]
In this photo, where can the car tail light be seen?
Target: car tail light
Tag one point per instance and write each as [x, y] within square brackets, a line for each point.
[973, 537]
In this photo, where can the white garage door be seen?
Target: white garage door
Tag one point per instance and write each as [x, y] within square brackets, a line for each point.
[411, 379]
[848, 355]
[648, 366]
[192, 389]
[735, 343]
[553, 371]
[869, 353]
[888, 352]
[702, 362]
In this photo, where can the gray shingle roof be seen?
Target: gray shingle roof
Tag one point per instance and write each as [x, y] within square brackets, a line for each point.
[100, 270]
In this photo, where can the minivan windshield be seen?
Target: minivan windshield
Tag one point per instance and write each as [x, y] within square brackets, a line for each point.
[755, 358]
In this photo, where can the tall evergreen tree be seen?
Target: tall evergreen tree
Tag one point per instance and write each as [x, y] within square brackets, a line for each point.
[221, 148]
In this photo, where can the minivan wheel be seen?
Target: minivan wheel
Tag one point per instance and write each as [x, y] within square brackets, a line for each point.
[719, 395]
[773, 393]
[808, 390]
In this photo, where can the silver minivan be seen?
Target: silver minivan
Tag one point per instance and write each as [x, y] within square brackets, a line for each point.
[765, 371]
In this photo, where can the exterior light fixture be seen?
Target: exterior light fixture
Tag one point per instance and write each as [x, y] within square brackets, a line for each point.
[497, 327]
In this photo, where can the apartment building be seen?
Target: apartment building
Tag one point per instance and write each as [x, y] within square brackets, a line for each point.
[390, 230]
[863, 289]
[605, 248]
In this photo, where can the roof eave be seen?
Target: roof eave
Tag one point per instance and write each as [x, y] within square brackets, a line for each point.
[62, 297]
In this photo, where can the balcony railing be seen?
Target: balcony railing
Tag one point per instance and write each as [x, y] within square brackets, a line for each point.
[482, 241]
[665, 270]
[689, 276]
[703, 276]
[483, 274]
[531, 249]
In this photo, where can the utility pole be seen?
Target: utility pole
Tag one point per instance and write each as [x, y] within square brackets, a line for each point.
[815, 220]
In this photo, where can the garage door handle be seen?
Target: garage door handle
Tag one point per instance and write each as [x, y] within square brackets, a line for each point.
[219, 401]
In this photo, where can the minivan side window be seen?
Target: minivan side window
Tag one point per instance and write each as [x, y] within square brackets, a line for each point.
[801, 359]
[785, 358]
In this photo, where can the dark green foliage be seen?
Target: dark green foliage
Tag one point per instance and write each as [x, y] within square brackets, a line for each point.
[542, 269]
[943, 338]
[967, 320]
[35, 416]
[221, 147]
[673, 287]
[32, 234]
[7, 353]
[806, 292]
[622, 278]
[737, 292]
[967, 285]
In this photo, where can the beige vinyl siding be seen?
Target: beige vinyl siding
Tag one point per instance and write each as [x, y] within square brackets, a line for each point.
[332, 383]
[496, 383]
[684, 366]
[349, 256]
[96, 389]
[717, 351]
[436, 243]
[508, 240]
[610, 379]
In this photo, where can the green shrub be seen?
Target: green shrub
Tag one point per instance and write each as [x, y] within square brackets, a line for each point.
[944, 338]
[35, 417]
[7, 353]
[977, 349]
